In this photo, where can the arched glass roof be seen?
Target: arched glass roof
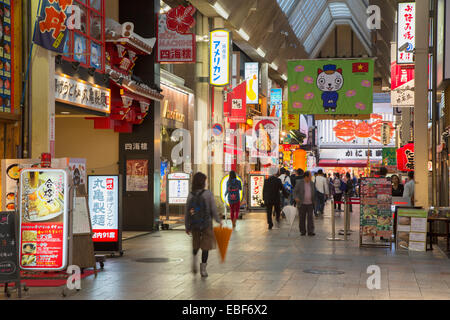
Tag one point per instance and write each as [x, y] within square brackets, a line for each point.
[310, 19]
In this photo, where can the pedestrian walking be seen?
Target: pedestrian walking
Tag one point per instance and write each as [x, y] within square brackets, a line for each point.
[286, 182]
[201, 210]
[271, 196]
[233, 195]
[322, 192]
[304, 196]
[338, 186]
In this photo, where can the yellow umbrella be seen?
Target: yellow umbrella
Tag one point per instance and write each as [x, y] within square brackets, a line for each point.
[223, 236]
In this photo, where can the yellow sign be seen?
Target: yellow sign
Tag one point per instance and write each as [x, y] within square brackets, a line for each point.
[290, 121]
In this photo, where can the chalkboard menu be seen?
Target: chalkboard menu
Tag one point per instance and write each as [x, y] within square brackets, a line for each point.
[9, 270]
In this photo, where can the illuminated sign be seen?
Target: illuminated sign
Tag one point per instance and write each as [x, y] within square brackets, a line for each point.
[82, 94]
[220, 43]
[406, 32]
[252, 78]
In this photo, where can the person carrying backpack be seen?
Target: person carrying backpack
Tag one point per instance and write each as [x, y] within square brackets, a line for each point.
[234, 196]
[200, 211]
[286, 182]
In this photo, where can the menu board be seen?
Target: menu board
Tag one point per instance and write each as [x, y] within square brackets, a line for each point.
[81, 223]
[104, 207]
[412, 229]
[43, 219]
[376, 215]
[178, 188]
[6, 57]
[9, 270]
[256, 191]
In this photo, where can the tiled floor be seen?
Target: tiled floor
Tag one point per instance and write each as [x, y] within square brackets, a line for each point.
[263, 264]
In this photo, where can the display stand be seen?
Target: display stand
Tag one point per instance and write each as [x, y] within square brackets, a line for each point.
[83, 246]
[375, 212]
[27, 275]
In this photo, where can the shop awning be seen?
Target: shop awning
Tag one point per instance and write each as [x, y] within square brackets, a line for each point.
[343, 163]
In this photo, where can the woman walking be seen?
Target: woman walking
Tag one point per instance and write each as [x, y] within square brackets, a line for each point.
[233, 194]
[201, 210]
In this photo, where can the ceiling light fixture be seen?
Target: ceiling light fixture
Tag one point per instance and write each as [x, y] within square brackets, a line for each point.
[261, 52]
[221, 10]
[65, 112]
[243, 34]
[274, 66]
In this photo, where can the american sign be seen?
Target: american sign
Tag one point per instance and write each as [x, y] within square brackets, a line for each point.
[82, 94]
[220, 43]
[406, 32]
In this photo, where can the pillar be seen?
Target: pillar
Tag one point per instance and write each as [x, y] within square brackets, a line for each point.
[42, 74]
[421, 106]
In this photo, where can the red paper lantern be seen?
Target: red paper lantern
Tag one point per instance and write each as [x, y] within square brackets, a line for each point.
[405, 158]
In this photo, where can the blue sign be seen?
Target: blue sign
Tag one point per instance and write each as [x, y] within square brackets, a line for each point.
[276, 96]
[51, 29]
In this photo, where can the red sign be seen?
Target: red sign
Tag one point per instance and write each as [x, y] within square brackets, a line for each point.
[405, 158]
[174, 44]
[400, 75]
[238, 104]
[105, 235]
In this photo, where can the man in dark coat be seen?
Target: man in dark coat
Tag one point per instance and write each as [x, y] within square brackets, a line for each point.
[271, 196]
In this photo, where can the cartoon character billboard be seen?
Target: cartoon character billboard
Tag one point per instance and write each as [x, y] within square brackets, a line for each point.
[331, 87]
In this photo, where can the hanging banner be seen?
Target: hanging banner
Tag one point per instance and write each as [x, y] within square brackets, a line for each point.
[219, 69]
[7, 63]
[238, 102]
[265, 138]
[402, 85]
[44, 210]
[252, 78]
[290, 121]
[276, 96]
[175, 44]
[51, 27]
[405, 158]
[331, 87]
[406, 32]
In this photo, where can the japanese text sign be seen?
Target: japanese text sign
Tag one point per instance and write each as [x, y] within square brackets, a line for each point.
[44, 210]
[51, 27]
[256, 191]
[290, 121]
[405, 158]
[238, 105]
[406, 32]
[82, 94]
[175, 45]
[104, 207]
[178, 188]
[220, 43]
[252, 78]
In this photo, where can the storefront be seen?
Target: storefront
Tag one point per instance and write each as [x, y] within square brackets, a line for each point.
[177, 112]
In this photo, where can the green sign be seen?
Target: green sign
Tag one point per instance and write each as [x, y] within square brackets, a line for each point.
[331, 87]
[389, 156]
[415, 213]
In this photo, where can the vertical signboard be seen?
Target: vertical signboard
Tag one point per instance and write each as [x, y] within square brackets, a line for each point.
[256, 191]
[406, 32]
[252, 78]
[220, 43]
[238, 105]
[178, 188]
[44, 210]
[103, 193]
[6, 57]
[175, 44]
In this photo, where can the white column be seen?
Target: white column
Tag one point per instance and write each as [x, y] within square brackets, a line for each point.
[421, 105]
